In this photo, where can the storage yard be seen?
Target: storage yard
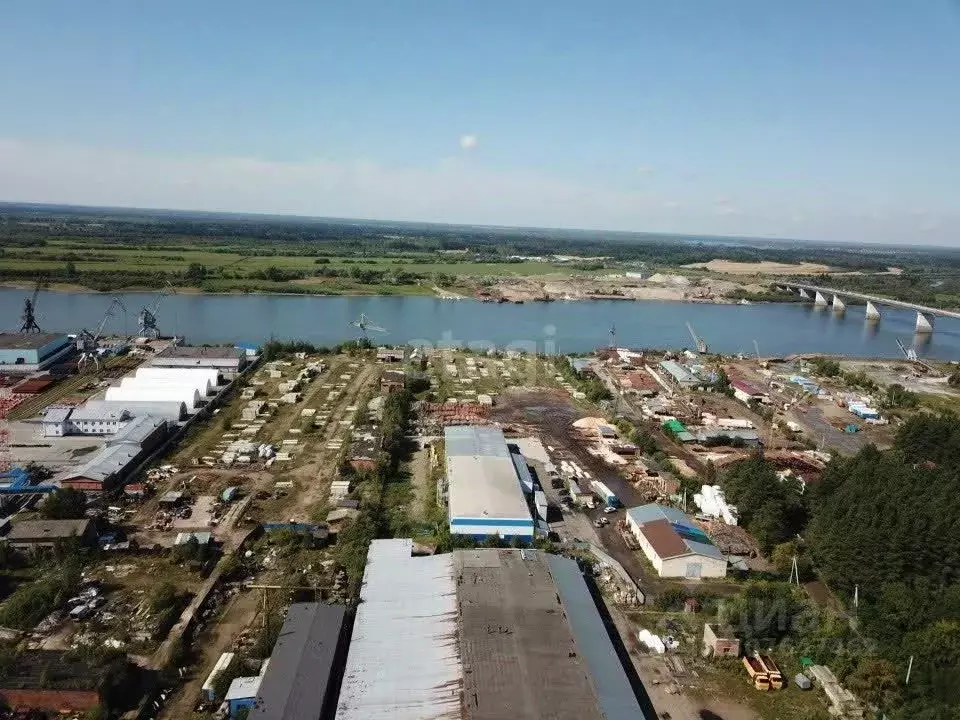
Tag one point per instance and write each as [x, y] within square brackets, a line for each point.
[221, 487]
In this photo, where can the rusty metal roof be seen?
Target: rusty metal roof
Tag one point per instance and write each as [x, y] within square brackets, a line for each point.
[404, 660]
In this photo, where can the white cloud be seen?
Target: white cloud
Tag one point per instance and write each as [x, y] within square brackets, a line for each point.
[644, 170]
[468, 142]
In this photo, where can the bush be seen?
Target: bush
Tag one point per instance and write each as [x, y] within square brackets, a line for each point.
[163, 597]
[29, 604]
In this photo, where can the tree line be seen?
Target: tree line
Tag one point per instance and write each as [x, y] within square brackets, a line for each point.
[886, 525]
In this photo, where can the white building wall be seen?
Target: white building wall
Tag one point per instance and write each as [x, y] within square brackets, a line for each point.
[51, 429]
[187, 395]
[683, 567]
[97, 427]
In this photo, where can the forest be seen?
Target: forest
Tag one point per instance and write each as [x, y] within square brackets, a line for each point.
[886, 525]
[889, 523]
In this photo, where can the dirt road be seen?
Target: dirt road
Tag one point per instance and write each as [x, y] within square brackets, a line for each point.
[215, 640]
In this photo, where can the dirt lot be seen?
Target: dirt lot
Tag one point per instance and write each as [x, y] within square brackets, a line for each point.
[28, 445]
[729, 267]
[888, 373]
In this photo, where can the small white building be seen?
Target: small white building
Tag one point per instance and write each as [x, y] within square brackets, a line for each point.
[673, 544]
[96, 420]
[745, 392]
[56, 421]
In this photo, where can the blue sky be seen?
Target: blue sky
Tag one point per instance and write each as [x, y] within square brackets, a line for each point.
[823, 119]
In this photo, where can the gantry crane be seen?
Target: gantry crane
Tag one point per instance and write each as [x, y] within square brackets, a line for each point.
[147, 318]
[30, 312]
[87, 342]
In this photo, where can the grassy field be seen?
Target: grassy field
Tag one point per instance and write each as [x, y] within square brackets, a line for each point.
[50, 257]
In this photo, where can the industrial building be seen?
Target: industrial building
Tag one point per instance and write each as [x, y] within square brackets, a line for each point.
[109, 466]
[679, 374]
[53, 681]
[60, 421]
[746, 393]
[32, 352]
[172, 411]
[190, 386]
[480, 634]
[28, 534]
[300, 681]
[673, 544]
[485, 489]
[715, 435]
[228, 360]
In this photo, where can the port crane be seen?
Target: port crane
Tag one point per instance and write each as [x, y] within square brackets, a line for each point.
[363, 323]
[29, 316]
[87, 342]
[698, 341]
[147, 318]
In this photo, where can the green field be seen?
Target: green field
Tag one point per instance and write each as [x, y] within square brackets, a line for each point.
[227, 269]
[179, 259]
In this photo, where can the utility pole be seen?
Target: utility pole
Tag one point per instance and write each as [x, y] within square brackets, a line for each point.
[794, 572]
[856, 596]
[909, 670]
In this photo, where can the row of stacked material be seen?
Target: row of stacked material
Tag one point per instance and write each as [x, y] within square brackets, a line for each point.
[190, 386]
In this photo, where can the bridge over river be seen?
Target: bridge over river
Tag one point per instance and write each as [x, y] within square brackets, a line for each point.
[819, 296]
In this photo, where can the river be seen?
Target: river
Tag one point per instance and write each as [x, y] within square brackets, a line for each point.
[779, 329]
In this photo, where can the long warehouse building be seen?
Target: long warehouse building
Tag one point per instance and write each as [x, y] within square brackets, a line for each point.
[485, 485]
[191, 386]
[481, 634]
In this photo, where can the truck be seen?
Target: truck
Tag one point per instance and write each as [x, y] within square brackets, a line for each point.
[605, 494]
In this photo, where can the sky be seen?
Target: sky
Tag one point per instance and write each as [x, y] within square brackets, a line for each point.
[819, 119]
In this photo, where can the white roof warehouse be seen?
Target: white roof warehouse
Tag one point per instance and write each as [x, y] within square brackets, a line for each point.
[485, 494]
